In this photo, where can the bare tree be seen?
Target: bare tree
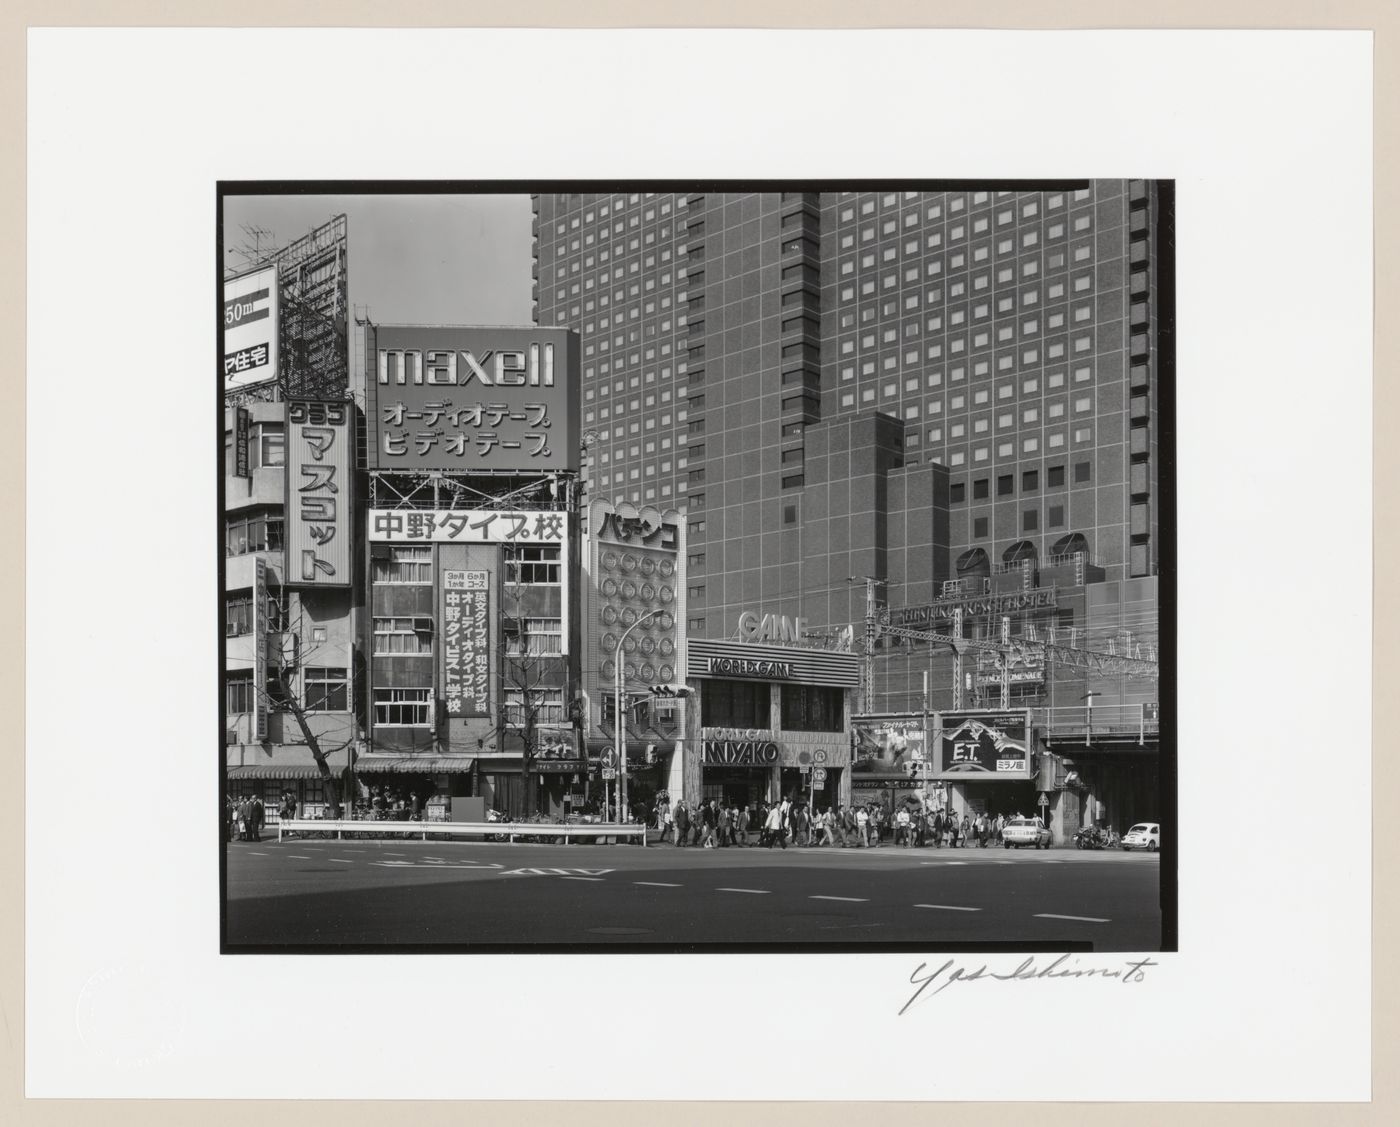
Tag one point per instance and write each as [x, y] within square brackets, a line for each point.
[284, 660]
[531, 669]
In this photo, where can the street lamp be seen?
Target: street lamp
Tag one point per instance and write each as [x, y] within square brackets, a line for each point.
[619, 720]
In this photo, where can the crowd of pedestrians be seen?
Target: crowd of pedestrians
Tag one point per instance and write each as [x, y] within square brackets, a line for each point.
[244, 818]
[715, 825]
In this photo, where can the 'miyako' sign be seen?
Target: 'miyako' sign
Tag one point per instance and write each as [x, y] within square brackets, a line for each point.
[770, 628]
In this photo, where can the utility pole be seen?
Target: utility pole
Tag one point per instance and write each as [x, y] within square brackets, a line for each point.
[621, 717]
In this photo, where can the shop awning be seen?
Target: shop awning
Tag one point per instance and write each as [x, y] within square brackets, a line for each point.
[279, 761]
[414, 764]
[275, 771]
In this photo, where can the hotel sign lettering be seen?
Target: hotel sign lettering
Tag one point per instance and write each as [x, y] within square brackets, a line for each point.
[1042, 598]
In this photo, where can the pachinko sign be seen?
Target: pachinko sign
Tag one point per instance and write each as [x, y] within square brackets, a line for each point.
[982, 745]
[466, 649]
[250, 329]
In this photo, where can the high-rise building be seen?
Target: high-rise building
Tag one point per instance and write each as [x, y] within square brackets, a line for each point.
[942, 406]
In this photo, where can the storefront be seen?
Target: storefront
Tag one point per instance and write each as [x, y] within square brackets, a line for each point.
[269, 773]
[769, 722]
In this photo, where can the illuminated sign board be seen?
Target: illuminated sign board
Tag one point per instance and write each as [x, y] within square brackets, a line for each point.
[466, 651]
[468, 526]
[250, 329]
[319, 486]
[968, 746]
[466, 399]
[810, 666]
[260, 642]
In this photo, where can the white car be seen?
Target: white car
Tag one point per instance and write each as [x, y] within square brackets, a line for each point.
[1144, 835]
[1025, 831]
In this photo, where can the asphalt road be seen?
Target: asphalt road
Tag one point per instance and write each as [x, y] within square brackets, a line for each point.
[321, 893]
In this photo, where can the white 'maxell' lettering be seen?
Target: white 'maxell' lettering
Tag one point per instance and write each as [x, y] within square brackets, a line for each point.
[492, 368]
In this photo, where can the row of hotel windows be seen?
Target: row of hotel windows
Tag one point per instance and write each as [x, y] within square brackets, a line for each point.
[1029, 208]
[981, 252]
[1030, 482]
[1082, 283]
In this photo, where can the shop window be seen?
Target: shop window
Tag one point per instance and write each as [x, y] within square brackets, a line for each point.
[325, 689]
[402, 707]
[737, 704]
[811, 708]
[532, 565]
[404, 565]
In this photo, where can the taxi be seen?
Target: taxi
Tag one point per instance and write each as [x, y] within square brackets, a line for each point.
[1025, 831]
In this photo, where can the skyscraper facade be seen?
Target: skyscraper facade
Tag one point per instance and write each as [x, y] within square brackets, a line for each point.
[916, 402]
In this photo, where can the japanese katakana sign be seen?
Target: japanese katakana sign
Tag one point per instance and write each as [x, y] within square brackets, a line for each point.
[982, 745]
[465, 399]
[468, 526]
[318, 493]
[250, 328]
[466, 643]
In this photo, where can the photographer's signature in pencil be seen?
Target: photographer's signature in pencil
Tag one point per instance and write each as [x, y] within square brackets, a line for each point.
[1066, 966]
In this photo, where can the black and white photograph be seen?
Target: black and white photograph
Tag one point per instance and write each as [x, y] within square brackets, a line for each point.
[697, 567]
[715, 564]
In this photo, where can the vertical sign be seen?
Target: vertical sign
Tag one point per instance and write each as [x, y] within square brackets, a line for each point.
[318, 493]
[250, 329]
[466, 643]
[260, 650]
[242, 423]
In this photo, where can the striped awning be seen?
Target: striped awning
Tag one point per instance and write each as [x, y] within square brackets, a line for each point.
[276, 771]
[414, 764]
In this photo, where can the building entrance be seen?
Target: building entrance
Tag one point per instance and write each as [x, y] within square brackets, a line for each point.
[735, 786]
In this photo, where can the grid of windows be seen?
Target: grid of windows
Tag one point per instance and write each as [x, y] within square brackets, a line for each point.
[254, 531]
[404, 565]
[238, 691]
[534, 637]
[737, 704]
[402, 636]
[532, 565]
[547, 705]
[402, 707]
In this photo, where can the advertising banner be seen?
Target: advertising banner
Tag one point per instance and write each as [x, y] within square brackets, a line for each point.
[887, 748]
[982, 745]
[260, 642]
[467, 526]
[466, 634]
[466, 399]
[319, 488]
[251, 321]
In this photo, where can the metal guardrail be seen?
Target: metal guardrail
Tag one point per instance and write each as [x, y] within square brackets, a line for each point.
[509, 830]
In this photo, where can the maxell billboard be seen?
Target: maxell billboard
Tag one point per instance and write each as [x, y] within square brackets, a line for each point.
[319, 488]
[466, 399]
[982, 745]
[250, 328]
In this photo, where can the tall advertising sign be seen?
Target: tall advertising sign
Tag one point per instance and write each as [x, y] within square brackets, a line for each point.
[242, 424]
[469, 399]
[466, 653]
[251, 320]
[319, 493]
[982, 745]
[260, 642]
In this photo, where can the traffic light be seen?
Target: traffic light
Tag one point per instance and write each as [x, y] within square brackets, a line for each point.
[912, 769]
[670, 691]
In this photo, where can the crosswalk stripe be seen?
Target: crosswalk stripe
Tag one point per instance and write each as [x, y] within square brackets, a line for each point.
[948, 907]
[1080, 919]
[848, 899]
[756, 891]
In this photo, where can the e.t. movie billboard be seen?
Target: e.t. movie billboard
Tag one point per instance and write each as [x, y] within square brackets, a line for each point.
[472, 399]
[982, 745]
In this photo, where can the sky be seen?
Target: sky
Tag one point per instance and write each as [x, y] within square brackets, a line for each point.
[430, 259]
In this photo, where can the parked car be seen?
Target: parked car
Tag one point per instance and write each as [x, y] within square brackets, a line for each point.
[1144, 835]
[1025, 831]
